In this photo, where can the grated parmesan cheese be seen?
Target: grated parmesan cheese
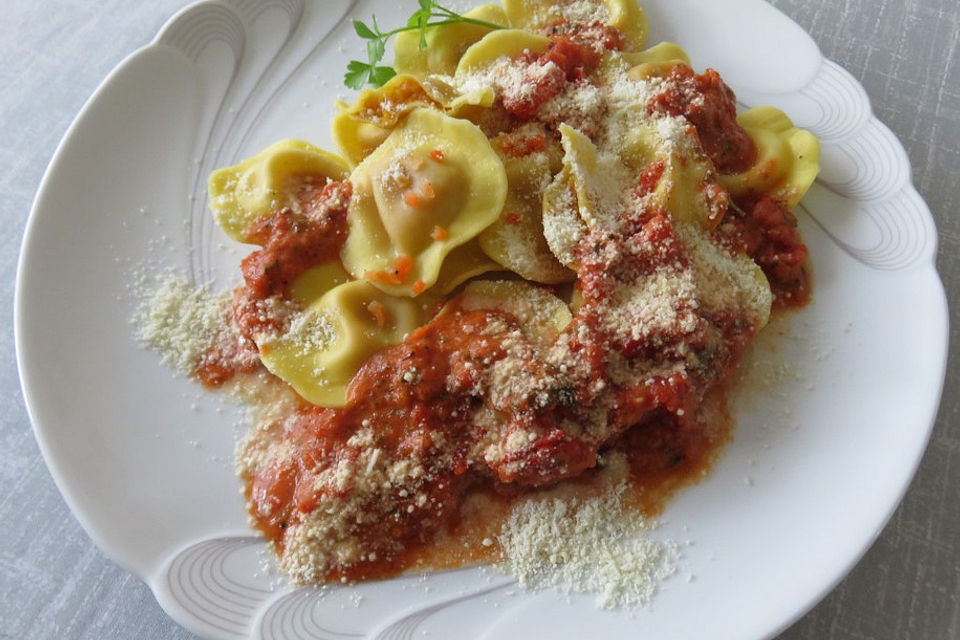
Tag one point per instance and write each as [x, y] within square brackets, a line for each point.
[180, 321]
[566, 537]
[594, 545]
[308, 332]
[578, 11]
[664, 302]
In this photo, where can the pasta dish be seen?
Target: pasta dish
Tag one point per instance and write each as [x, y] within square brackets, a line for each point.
[542, 249]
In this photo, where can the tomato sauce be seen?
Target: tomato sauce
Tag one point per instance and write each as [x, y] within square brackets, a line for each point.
[596, 34]
[294, 242]
[711, 107]
[429, 418]
[767, 231]
[430, 421]
[759, 226]
[291, 242]
[422, 396]
[567, 61]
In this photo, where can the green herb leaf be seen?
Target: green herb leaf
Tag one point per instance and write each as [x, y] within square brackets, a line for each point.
[418, 18]
[375, 51]
[426, 11]
[380, 75]
[363, 30]
[430, 14]
[358, 74]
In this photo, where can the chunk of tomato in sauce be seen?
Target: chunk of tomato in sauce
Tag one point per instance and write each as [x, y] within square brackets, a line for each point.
[767, 231]
[548, 74]
[711, 107]
[294, 242]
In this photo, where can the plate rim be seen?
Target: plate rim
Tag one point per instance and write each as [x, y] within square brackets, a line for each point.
[925, 268]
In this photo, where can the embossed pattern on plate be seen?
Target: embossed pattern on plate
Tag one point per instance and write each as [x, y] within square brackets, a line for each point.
[250, 61]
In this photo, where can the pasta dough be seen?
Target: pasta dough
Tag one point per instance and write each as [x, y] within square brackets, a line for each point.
[624, 15]
[687, 187]
[253, 189]
[506, 43]
[788, 160]
[433, 185]
[657, 61]
[327, 344]
[542, 315]
[360, 128]
[515, 240]
[445, 44]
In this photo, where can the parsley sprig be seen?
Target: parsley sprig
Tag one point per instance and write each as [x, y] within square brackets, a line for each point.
[430, 14]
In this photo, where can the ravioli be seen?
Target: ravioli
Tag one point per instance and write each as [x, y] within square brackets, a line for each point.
[465, 262]
[657, 61]
[360, 128]
[598, 179]
[562, 225]
[329, 341]
[515, 240]
[624, 15]
[313, 283]
[253, 189]
[542, 315]
[728, 283]
[445, 44]
[688, 185]
[505, 43]
[787, 162]
[433, 185]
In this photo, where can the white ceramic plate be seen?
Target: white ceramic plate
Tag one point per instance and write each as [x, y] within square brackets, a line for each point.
[143, 457]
